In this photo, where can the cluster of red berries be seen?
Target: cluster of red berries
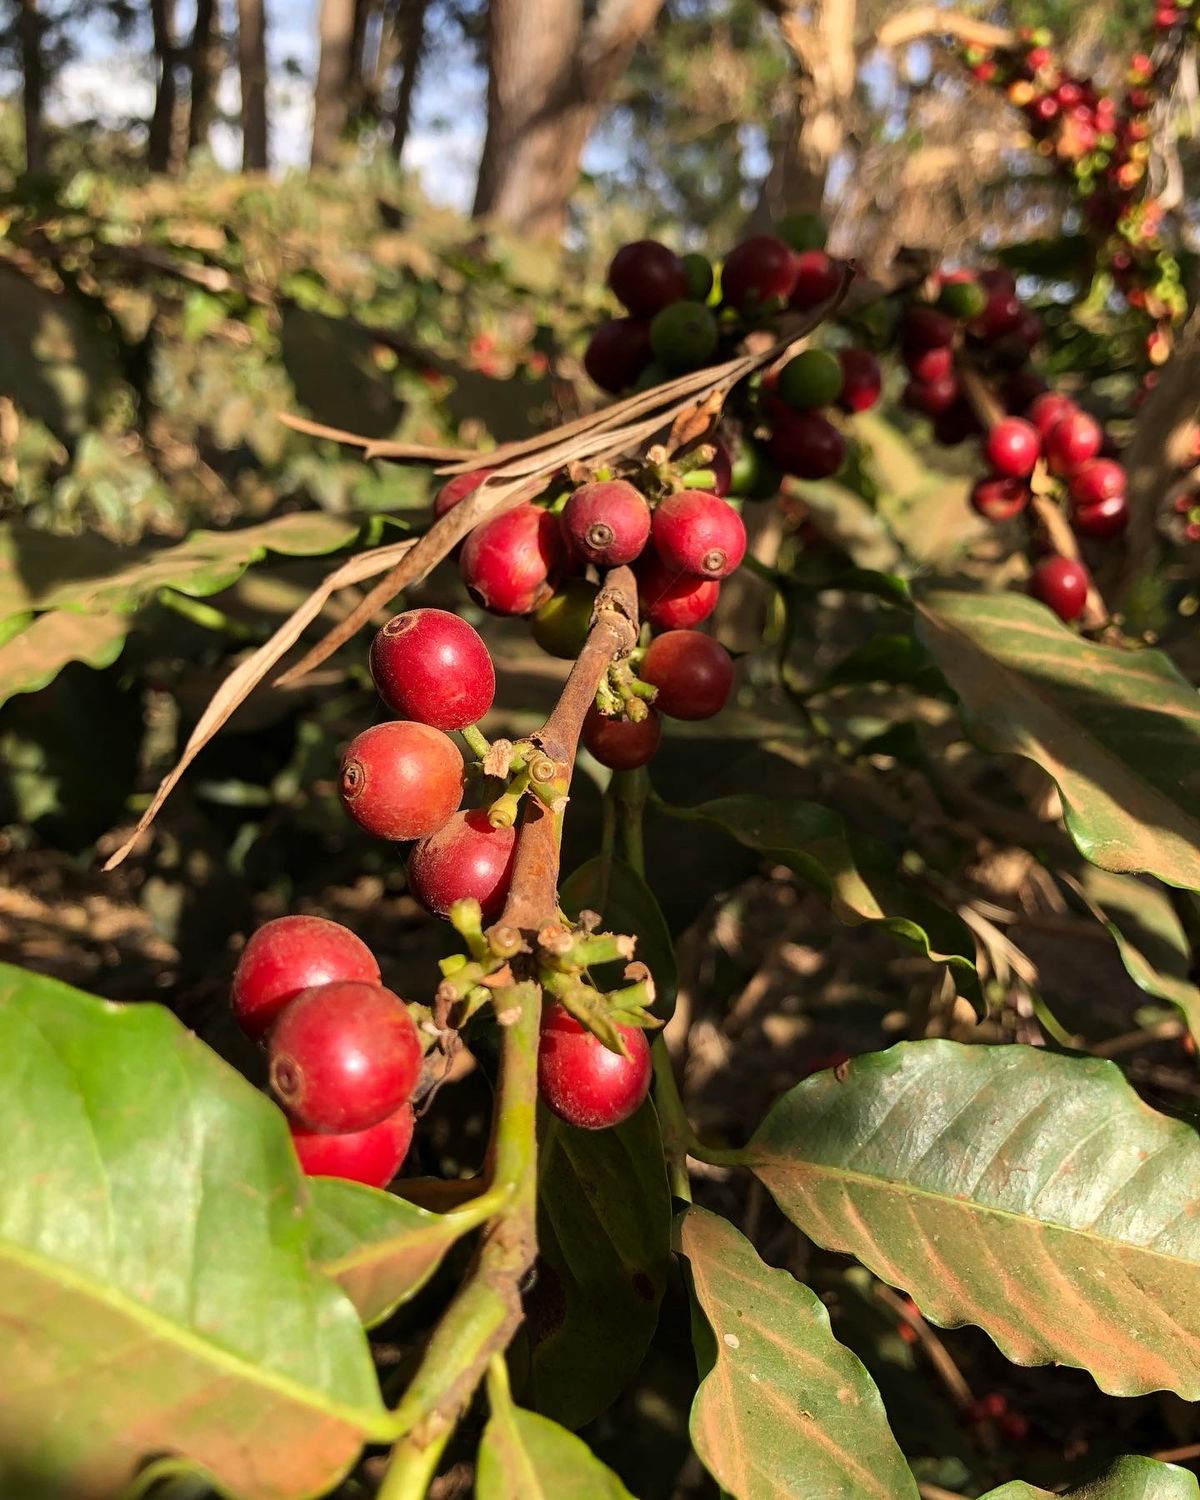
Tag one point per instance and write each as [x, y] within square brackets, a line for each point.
[344, 1052]
[994, 1408]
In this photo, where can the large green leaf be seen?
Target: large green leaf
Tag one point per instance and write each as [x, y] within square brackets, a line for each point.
[1033, 1194]
[524, 1456]
[379, 1248]
[1119, 731]
[627, 905]
[604, 1233]
[1125, 1479]
[784, 1412]
[156, 1275]
[35, 655]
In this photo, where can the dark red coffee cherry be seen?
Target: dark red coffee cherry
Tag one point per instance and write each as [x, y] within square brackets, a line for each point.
[699, 533]
[758, 272]
[1061, 583]
[401, 780]
[811, 380]
[431, 666]
[289, 955]
[923, 327]
[672, 600]
[621, 744]
[344, 1056]
[618, 353]
[933, 397]
[581, 1081]
[956, 425]
[1098, 479]
[465, 857]
[1013, 447]
[372, 1156]
[1101, 519]
[606, 523]
[1072, 441]
[561, 625]
[806, 444]
[456, 490]
[646, 276]
[508, 562]
[1001, 314]
[1047, 409]
[692, 672]
[1021, 391]
[999, 499]
[927, 365]
[862, 380]
[815, 278]
[997, 279]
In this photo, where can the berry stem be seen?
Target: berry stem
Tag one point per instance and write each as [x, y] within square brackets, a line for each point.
[412, 1467]
[631, 790]
[477, 742]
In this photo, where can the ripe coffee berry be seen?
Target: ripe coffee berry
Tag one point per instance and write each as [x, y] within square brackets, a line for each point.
[373, 1155]
[672, 600]
[811, 380]
[581, 1081]
[401, 780]
[621, 744]
[1013, 447]
[683, 337]
[699, 533]
[289, 955]
[932, 397]
[1072, 441]
[618, 353]
[1098, 479]
[1061, 584]
[561, 625]
[759, 271]
[1102, 518]
[999, 499]
[344, 1056]
[806, 444]
[431, 666]
[815, 279]
[926, 328]
[465, 857]
[646, 276]
[507, 563]
[456, 490]
[862, 380]
[692, 672]
[606, 523]
[1001, 314]
[1047, 408]
[928, 365]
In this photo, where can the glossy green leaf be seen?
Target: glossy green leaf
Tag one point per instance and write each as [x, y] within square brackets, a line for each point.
[784, 1412]
[1031, 1193]
[1125, 1479]
[380, 1249]
[627, 905]
[604, 1233]
[524, 1456]
[155, 1263]
[1119, 731]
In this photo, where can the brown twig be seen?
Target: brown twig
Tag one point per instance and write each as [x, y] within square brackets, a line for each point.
[939, 1356]
[1177, 1455]
[932, 20]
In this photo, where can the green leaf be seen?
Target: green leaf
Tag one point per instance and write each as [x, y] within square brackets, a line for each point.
[155, 1263]
[527, 1457]
[1119, 731]
[627, 905]
[36, 655]
[1124, 1479]
[783, 1409]
[1033, 1194]
[604, 1233]
[380, 1249]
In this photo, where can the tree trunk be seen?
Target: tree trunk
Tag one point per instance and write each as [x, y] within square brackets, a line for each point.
[360, 95]
[33, 85]
[159, 153]
[204, 68]
[252, 65]
[410, 38]
[549, 77]
[335, 71]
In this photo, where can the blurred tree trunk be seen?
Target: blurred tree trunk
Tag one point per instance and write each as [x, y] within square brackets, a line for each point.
[550, 74]
[204, 68]
[361, 102]
[160, 156]
[252, 65]
[33, 85]
[335, 70]
[410, 42]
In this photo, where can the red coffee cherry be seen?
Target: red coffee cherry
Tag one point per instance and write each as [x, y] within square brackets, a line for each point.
[692, 672]
[816, 278]
[1101, 519]
[456, 490]
[646, 276]
[997, 279]
[1021, 391]
[1013, 447]
[806, 444]
[928, 365]
[507, 563]
[699, 533]
[344, 1056]
[672, 600]
[933, 397]
[581, 1081]
[373, 1155]
[617, 353]
[759, 271]
[1072, 441]
[999, 499]
[1098, 479]
[1002, 314]
[956, 425]
[924, 327]
[466, 857]
[289, 955]
[431, 666]
[607, 523]
[621, 744]
[1047, 408]
[401, 780]
[1061, 584]
[862, 380]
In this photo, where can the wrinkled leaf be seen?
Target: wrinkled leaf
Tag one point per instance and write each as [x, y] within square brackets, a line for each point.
[524, 1456]
[36, 655]
[155, 1263]
[1125, 1479]
[1030, 1193]
[627, 905]
[783, 1409]
[1119, 731]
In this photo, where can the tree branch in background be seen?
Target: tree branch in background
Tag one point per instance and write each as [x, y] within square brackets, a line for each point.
[160, 155]
[33, 84]
[410, 42]
[204, 67]
[335, 71]
[932, 21]
[252, 68]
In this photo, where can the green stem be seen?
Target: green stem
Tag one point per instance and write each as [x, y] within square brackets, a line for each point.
[503, 812]
[412, 1467]
[672, 1120]
[631, 790]
[477, 742]
[207, 616]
